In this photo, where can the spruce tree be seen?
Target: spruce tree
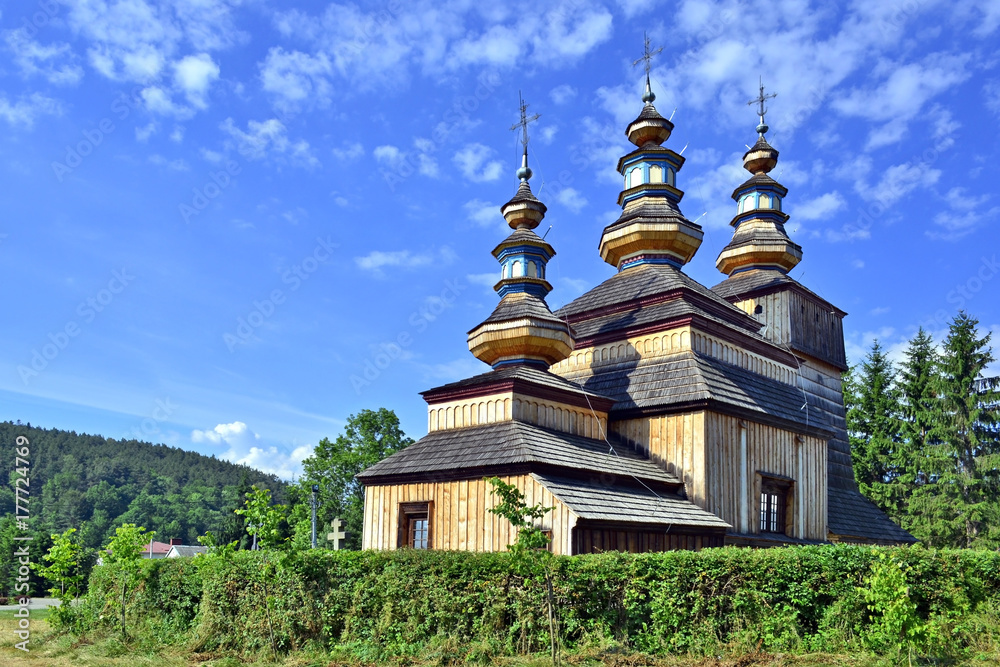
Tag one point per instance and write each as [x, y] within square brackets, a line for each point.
[874, 427]
[959, 504]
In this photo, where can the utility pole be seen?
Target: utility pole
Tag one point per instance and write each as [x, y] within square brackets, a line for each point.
[315, 490]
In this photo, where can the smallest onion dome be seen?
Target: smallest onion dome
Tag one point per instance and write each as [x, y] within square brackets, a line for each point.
[522, 329]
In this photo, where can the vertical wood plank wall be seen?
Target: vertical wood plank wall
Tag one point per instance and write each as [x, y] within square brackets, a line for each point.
[770, 450]
[460, 514]
[704, 449]
[675, 443]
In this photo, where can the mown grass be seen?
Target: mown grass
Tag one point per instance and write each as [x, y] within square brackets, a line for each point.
[50, 648]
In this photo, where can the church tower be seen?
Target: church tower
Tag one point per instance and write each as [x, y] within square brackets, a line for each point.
[757, 261]
[651, 228]
[522, 330]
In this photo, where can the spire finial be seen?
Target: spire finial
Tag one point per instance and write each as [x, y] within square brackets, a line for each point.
[646, 59]
[524, 173]
[761, 109]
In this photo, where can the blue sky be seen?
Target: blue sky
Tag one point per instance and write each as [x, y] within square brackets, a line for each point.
[216, 217]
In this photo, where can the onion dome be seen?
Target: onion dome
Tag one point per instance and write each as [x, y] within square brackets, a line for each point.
[522, 329]
[759, 240]
[651, 228]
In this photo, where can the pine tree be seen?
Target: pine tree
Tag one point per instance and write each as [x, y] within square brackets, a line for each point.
[959, 504]
[874, 427]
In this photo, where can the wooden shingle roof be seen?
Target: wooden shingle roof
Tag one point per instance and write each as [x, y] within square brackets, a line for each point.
[628, 503]
[481, 450]
[851, 514]
[519, 378]
[688, 379]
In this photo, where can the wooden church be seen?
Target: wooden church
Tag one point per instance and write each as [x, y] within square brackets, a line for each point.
[653, 412]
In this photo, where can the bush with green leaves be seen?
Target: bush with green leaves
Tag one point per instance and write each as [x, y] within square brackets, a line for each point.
[376, 605]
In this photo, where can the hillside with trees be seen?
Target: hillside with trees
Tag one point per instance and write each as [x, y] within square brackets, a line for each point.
[96, 484]
[925, 436]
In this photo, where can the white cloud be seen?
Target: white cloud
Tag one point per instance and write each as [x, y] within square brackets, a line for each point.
[144, 132]
[572, 199]
[484, 213]
[632, 7]
[269, 138]
[562, 94]
[964, 215]
[26, 109]
[159, 100]
[818, 207]
[484, 279]
[898, 181]
[902, 94]
[174, 165]
[548, 134]
[404, 163]
[56, 63]
[194, 75]
[475, 163]
[294, 77]
[377, 260]
[134, 40]
[991, 92]
[348, 151]
[243, 447]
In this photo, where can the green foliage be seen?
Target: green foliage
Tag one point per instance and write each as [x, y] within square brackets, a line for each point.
[512, 507]
[368, 437]
[874, 426]
[894, 619]
[262, 518]
[64, 573]
[375, 606]
[124, 549]
[95, 484]
[926, 444]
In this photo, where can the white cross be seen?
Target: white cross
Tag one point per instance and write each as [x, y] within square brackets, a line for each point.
[338, 535]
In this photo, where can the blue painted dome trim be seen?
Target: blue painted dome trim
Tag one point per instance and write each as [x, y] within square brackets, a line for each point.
[532, 288]
[651, 259]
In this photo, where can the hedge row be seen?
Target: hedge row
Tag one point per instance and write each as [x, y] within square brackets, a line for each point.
[396, 603]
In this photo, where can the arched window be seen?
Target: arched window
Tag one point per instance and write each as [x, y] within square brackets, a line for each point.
[532, 270]
[503, 274]
[656, 174]
[517, 271]
[765, 201]
[777, 203]
[541, 271]
[635, 177]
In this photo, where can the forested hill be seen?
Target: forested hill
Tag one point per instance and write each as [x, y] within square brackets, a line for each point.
[95, 484]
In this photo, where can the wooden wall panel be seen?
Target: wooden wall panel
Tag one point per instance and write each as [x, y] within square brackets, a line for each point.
[461, 519]
[768, 450]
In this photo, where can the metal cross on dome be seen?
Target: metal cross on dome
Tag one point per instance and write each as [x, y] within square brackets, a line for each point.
[647, 55]
[523, 123]
[760, 99]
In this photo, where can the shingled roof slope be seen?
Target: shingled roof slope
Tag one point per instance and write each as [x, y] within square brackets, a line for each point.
[851, 514]
[641, 282]
[529, 374]
[692, 377]
[511, 443]
[627, 504]
[763, 280]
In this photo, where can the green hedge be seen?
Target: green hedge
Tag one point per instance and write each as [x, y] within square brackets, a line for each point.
[379, 604]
